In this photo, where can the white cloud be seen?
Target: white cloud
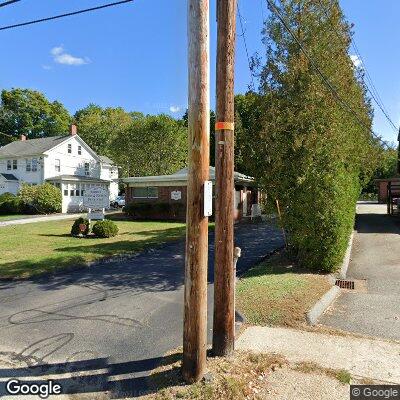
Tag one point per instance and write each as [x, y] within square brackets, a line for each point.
[46, 67]
[61, 57]
[174, 109]
[356, 60]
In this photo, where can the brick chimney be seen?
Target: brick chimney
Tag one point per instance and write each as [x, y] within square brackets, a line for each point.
[22, 138]
[73, 129]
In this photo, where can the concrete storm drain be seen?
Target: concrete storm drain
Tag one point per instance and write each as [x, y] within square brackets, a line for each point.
[345, 284]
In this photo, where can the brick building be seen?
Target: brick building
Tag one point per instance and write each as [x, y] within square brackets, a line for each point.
[172, 189]
[382, 185]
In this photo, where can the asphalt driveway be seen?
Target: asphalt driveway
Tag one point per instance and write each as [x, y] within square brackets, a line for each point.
[375, 258]
[105, 327]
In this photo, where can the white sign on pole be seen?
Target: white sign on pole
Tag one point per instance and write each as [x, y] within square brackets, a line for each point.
[96, 198]
[207, 198]
[96, 215]
[176, 195]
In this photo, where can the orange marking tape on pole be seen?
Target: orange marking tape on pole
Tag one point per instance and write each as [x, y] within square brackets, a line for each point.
[221, 126]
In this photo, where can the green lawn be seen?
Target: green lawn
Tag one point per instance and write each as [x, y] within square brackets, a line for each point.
[35, 248]
[276, 293]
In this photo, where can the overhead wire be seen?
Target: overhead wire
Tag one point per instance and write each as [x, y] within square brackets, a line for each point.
[324, 79]
[9, 2]
[245, 45]
[86, 10]
[373, 91]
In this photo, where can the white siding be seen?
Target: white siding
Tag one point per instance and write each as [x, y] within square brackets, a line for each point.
[70, 163]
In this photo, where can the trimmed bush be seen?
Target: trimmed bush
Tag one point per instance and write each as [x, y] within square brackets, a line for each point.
[75, 230]
[159, 210]
[137, 210]
[105, 229]
[9, 204]
[44, 199]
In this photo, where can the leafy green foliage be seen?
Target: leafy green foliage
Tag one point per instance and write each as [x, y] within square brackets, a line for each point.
[157, 210]
[28, 112]
[105, 229]
[44, 199]
[100, 127]
[307, 150]
[152, 145]
[9, 204]
[386, 167]
[76, 227]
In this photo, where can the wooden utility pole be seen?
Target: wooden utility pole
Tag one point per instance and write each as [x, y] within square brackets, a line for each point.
[224, 277]
[195, 307]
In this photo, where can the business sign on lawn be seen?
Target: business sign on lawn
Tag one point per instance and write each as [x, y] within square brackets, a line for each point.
[96, 215]
[96, 198]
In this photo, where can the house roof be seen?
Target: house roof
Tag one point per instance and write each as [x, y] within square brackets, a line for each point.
[106, 160]
[31, 146]
[182, 175]
[9, 177]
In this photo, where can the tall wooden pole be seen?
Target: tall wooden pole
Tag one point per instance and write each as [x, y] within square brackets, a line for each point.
[224, 279]
[195, 308]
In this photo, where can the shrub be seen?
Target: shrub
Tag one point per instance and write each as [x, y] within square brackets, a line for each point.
[105, 229]
[44, 199]
[75, 230]
[9, 204]
[138, 209]
[159, 210]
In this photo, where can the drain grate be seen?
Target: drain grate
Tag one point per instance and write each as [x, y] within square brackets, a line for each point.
[345, 284]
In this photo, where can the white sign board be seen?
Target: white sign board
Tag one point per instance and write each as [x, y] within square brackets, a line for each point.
[96, 198]
[96, 215]
[207, 198]
[176, 195]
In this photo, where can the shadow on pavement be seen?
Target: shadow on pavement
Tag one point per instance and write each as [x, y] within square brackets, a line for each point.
[377, 223]
[93, 376]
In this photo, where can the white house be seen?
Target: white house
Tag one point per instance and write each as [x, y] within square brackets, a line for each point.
[64, 161]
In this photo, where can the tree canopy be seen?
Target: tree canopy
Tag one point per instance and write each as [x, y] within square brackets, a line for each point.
[100, 127]
[28, 112]
[151, 145]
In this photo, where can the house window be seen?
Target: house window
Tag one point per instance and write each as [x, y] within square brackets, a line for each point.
[65, 192]
[70, 148]
[58, 165]
[145, 193]
[8, 165]
[15, 164]
[72, 192]
[34, 164]
[87, 172]
[79, 150]
[28, 165]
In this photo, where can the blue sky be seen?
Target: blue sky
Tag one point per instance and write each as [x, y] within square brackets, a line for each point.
[134, 55]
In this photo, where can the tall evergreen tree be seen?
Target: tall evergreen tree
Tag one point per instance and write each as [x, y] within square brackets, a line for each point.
[312, 147]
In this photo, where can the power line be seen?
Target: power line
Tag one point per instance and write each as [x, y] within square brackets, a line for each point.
[64, 15]
[6, 3]
[325, 80]
[373, 91]
[245, 44]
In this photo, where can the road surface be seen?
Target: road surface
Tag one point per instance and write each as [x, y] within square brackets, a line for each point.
[111, 323]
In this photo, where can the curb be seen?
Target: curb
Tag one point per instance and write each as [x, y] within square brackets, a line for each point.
[322, 304]
[346, 259]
